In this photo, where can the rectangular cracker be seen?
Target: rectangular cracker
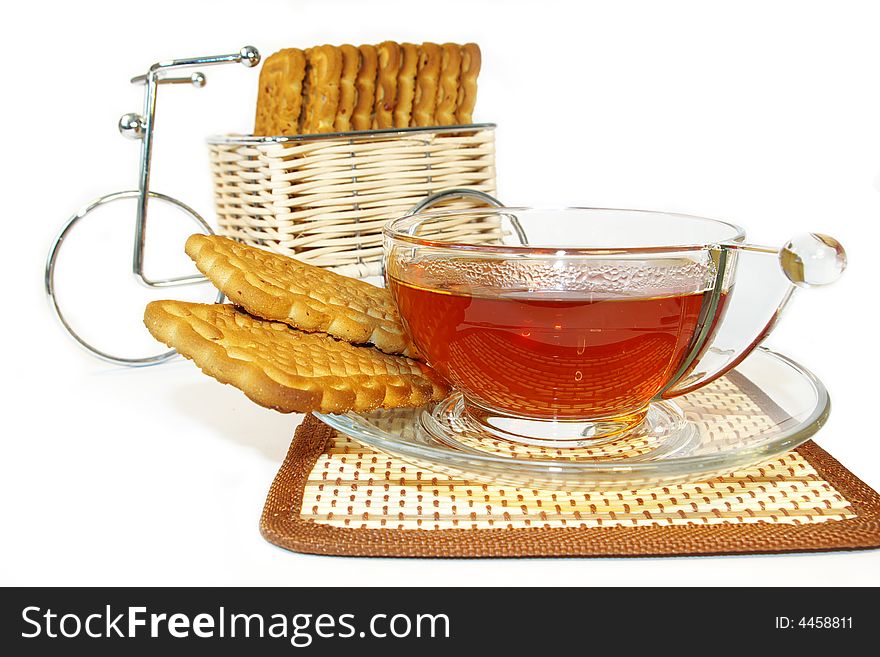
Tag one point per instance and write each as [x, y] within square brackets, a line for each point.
[362, 117]
[351, 60]
[447, 91]
[325, 73]
[425, 101]
[279, 98]
[471, 61]
[306, 297]
[288, 370]
[406, 85]
[386, 84]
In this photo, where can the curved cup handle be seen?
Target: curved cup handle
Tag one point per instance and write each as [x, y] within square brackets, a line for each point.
[454, 193]
[474, 194]
[753, 286]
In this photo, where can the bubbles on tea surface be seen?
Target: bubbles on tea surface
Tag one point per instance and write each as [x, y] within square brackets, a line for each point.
[812, 259]
[541, 277]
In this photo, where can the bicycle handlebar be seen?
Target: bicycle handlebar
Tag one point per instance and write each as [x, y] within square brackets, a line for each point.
[247, 56]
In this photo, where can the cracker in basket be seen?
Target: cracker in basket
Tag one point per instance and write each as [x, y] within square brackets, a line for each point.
[325, 72]
[306, 297]
[289, 370]
[351, 60]
[467, 91]
[386, 84]
[279, 100]
[425, 101]
[303, 121]
[362, 116]
[447, 93]
[406, 83]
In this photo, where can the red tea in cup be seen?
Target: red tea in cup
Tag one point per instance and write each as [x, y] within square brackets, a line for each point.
[550, 354]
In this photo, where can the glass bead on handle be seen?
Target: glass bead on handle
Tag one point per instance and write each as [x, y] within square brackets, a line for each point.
[812, 260]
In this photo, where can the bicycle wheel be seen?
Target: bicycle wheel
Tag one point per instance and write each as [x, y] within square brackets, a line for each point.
[52, 259]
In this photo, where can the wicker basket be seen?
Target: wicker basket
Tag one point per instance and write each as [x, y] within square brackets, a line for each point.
[324, 198]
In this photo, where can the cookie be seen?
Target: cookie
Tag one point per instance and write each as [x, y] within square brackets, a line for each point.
[324, 73]
[425, 101]
[467, 88]
[279, 99]
[351, 60]
[306, 297]
[406, 85]
[386, 84]
[447, 92]
[288, 370]
[362, 116]
[304, 116]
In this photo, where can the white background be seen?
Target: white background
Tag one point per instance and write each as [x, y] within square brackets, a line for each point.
[762, 113]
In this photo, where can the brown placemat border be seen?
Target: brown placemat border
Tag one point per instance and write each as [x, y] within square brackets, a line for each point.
[282, 525]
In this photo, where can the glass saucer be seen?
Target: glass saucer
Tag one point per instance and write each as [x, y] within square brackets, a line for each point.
[766, 406]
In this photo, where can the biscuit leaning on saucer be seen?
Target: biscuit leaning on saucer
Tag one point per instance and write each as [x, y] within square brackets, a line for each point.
[288, 370]
[303, 296]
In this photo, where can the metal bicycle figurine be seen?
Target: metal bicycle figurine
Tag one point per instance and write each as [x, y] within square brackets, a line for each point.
[140, 126]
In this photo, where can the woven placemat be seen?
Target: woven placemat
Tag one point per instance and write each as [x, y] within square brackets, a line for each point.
[335, 496]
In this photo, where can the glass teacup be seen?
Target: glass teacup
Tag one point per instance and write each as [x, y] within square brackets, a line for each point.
[565, 326]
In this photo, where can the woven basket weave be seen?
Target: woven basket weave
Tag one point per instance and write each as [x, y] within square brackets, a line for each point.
[324, 198]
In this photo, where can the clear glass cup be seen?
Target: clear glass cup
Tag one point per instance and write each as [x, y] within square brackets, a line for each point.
[565, 327]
